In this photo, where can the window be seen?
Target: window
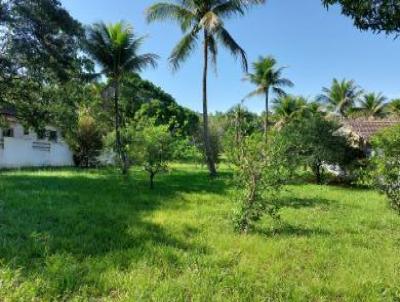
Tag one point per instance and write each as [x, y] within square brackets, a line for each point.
[26, 131]
[53, 136]
[8, 132]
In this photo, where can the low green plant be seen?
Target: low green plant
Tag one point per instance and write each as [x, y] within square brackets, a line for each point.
[386, 163]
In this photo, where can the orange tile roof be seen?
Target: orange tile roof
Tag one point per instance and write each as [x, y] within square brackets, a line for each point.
[365, 128]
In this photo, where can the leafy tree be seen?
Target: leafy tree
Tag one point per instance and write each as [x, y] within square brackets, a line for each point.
[341, 96]
[115, 48]
[314, 108]
[40, 47]
[394, 107]
[42, 39]
[288, 107]
[86, 140]
[268, 78]
[318, 142]
[180, 121]
[372, 105]
[387, 163]
[137, 93]
[141, 98]
[240, 120]
[205, 19]
[375, 15]
[261, 170]
[151, 147]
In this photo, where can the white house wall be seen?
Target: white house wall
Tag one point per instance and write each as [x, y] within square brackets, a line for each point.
[20, 153]
[27, 151]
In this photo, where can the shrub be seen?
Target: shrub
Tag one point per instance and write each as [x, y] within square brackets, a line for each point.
[261, 168]
[85, 140]
[318, 142]
[186, 150]
[151, 147]
[386, 161]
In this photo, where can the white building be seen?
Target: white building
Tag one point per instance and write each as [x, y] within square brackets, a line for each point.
[21, 147]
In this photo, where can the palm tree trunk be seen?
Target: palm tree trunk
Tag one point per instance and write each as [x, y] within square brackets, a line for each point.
[266, 117]
[118, 142]
[207, 143]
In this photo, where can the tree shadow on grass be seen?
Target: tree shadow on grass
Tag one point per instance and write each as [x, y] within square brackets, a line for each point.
[286, 230]
[82, 217]
[298, 203]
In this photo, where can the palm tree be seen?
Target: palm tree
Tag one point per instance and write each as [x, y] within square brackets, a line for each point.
[372, 105]
[394, 107]
[314, 108]
[267, 77]
[202, 19]
[288, 107]
[115, 48]
[341, 97]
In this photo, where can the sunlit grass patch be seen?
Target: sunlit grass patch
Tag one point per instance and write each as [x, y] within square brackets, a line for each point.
[77, 235]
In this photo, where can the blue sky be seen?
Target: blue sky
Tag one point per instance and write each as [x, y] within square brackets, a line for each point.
[315, 44]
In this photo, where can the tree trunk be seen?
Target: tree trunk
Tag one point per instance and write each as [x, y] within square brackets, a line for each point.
[118, 141]
[207, 143]
[152, 180]
[318, 172]
[266, 117]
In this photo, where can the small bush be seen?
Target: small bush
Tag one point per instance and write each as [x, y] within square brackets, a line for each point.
[86, 140]
[151, 147]
[386, 162]
[186, 150]
[261, 168]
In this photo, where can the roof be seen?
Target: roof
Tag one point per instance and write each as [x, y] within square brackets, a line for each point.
[365, 128]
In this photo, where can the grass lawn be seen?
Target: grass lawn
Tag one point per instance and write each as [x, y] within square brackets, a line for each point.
[91, 235]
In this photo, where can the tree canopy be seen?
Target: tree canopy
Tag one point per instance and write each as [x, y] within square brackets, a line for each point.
[40, 52]
[375, 15]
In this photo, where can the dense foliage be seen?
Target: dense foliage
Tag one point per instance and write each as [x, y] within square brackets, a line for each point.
[40, 53]
[85, 140]
[375, 15]
[317, 143]
[387, 163]
[261, 168]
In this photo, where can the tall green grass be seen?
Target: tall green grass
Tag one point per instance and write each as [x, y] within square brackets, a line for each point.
[70, 235]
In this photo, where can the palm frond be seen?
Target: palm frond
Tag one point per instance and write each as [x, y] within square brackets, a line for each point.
[283, 82]
[257, 92]
[184, 48]
[267, 76]
[229, 8]
[115, 48]
[168, 11]
[213, 49]
[227, 41]
[140, 62]
[279, 91]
